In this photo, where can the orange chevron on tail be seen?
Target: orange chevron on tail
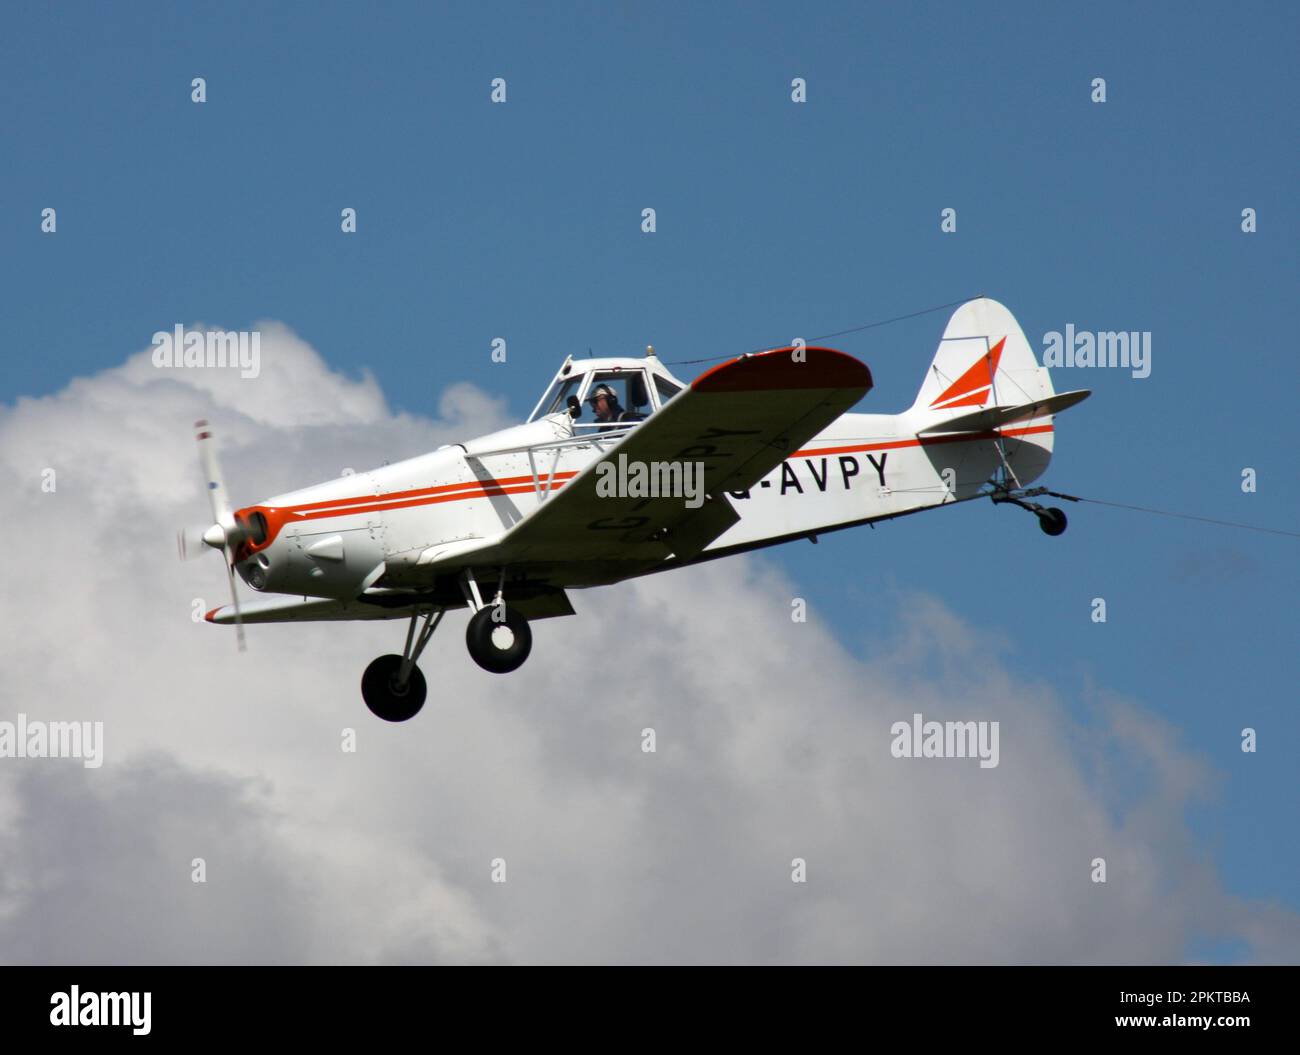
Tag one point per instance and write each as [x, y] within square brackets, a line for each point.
[973, 387]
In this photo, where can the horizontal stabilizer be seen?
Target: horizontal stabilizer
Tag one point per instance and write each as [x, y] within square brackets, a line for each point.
[995, 417]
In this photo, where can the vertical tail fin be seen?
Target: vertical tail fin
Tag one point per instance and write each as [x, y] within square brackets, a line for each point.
[983, 360]
[985, 379]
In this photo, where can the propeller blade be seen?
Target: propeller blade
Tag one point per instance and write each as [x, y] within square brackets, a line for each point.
[220, 501]
[225, 534]
[189, 542]
[234, 599]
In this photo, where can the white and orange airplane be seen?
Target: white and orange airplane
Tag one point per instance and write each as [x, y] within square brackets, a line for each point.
[752, 453]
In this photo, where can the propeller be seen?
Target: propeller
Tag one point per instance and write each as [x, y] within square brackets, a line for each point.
[225, 534]
[189, 542]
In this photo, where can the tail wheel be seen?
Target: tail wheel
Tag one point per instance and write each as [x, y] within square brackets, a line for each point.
[498, 639]
[386, 697]
[1052, 521]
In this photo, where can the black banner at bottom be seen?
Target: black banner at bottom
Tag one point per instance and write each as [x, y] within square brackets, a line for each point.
[1222, 1005]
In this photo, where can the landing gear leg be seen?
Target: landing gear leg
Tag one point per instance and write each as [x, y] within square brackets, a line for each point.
[1051, 519]
[498, 638]
[392, 686]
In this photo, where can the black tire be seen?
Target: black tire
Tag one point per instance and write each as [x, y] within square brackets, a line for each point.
[489, 649]
[379, 690]
[1052, 521]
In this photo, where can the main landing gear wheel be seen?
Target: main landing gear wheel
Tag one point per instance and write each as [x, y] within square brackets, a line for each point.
[1052, 520]
[387, 696]
[393, 686]
[498, 638]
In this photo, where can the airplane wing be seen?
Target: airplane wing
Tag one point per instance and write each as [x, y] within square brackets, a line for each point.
[737, 422]
[296, 610]
[370, 605]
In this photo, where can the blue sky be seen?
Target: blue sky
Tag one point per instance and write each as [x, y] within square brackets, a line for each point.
[774, 220]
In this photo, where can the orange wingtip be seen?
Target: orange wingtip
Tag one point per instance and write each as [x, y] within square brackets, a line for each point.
[779, 370]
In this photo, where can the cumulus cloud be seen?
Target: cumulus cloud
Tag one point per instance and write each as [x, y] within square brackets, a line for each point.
[772, 744]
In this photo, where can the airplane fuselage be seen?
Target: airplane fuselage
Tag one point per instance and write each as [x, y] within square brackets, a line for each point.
[338, 538]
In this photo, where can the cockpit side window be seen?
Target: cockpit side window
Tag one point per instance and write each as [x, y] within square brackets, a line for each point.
[666, 389]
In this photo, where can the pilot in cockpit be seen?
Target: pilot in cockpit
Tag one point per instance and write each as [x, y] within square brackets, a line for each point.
[605, 405]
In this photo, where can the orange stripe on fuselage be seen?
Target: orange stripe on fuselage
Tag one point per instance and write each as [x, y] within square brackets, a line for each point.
[920, 441]
[484, 490]
[278, 516]
[419, 492]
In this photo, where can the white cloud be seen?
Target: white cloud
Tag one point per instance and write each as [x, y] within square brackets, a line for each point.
[773, 743]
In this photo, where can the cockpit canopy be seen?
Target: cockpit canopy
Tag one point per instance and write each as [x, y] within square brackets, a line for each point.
[640, 387]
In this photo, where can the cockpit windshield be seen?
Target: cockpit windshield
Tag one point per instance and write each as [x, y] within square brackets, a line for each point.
[557, 398]
[618, 396]
[609, 392]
